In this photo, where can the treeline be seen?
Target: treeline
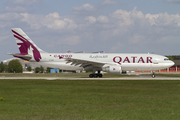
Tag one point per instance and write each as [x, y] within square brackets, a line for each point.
[174, 57]
[14, 66]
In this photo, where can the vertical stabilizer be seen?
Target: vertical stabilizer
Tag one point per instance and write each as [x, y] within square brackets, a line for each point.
[26, 45]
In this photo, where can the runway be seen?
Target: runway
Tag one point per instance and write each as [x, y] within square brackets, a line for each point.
[73, 78]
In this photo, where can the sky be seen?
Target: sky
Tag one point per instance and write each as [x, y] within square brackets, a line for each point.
[112, 26]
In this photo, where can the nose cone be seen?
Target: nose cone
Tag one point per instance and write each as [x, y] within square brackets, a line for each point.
[172, 63]
[169, 64]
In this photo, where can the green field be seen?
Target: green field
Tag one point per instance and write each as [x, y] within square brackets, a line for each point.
[81, 75]
[89, 100]
[78, 75]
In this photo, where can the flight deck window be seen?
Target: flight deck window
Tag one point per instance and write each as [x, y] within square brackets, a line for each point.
[166, 59]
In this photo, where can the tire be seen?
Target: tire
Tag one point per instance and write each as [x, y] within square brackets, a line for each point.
[91, 75]
[100, 75]
[153, 76]
[95, 75]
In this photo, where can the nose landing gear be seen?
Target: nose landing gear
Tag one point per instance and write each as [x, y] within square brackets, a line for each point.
[153, 75]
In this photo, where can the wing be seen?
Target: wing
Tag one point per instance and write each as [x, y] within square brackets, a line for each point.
[84, 62]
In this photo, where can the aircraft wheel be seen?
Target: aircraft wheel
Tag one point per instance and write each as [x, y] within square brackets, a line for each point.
[100, 75]
[95, 75]
[91, 75]
[153, 75]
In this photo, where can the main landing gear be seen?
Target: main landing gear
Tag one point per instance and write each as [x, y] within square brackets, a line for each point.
[96, 75]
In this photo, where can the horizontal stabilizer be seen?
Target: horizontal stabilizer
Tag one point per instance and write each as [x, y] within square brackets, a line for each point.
[24, 57]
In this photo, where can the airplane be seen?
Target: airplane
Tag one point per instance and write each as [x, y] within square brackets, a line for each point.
[113, 63]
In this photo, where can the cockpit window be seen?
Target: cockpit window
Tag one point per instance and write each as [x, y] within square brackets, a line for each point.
[166, 59]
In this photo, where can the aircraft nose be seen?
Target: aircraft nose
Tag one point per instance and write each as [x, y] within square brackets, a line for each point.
[169, 64]
[172, 63]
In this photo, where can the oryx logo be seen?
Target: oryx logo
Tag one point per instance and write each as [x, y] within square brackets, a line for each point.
[25, 46]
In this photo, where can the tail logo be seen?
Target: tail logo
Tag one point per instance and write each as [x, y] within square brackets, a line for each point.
[25, 46]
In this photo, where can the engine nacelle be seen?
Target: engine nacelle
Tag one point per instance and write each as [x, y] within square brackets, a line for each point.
[113, 69]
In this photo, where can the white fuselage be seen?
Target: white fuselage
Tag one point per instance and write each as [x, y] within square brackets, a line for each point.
[128, 62]
[113, 63]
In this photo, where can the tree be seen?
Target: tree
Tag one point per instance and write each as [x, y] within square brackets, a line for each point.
[29, 68]
[5, 68]
[48, 69]
[37, 70]
[174, 57]
[2, 67]
[41, 69]
[170, 57]
[15, 66]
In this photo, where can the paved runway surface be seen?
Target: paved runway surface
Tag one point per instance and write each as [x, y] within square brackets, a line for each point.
[121, 78]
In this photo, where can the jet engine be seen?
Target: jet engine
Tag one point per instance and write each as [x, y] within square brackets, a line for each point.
[113, 69]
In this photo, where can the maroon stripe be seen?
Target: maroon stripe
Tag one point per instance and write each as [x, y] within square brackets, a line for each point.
[26, 45]
[20, 38]
[15, 33]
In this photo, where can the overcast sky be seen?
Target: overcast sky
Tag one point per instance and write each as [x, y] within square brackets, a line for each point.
[113, 26]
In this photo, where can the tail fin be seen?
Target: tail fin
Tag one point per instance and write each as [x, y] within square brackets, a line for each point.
[26, 45]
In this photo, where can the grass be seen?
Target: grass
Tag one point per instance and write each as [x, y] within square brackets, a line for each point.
[168, 75]
[163, 74]
[81, 75]
[78, 75]
[89, 100]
